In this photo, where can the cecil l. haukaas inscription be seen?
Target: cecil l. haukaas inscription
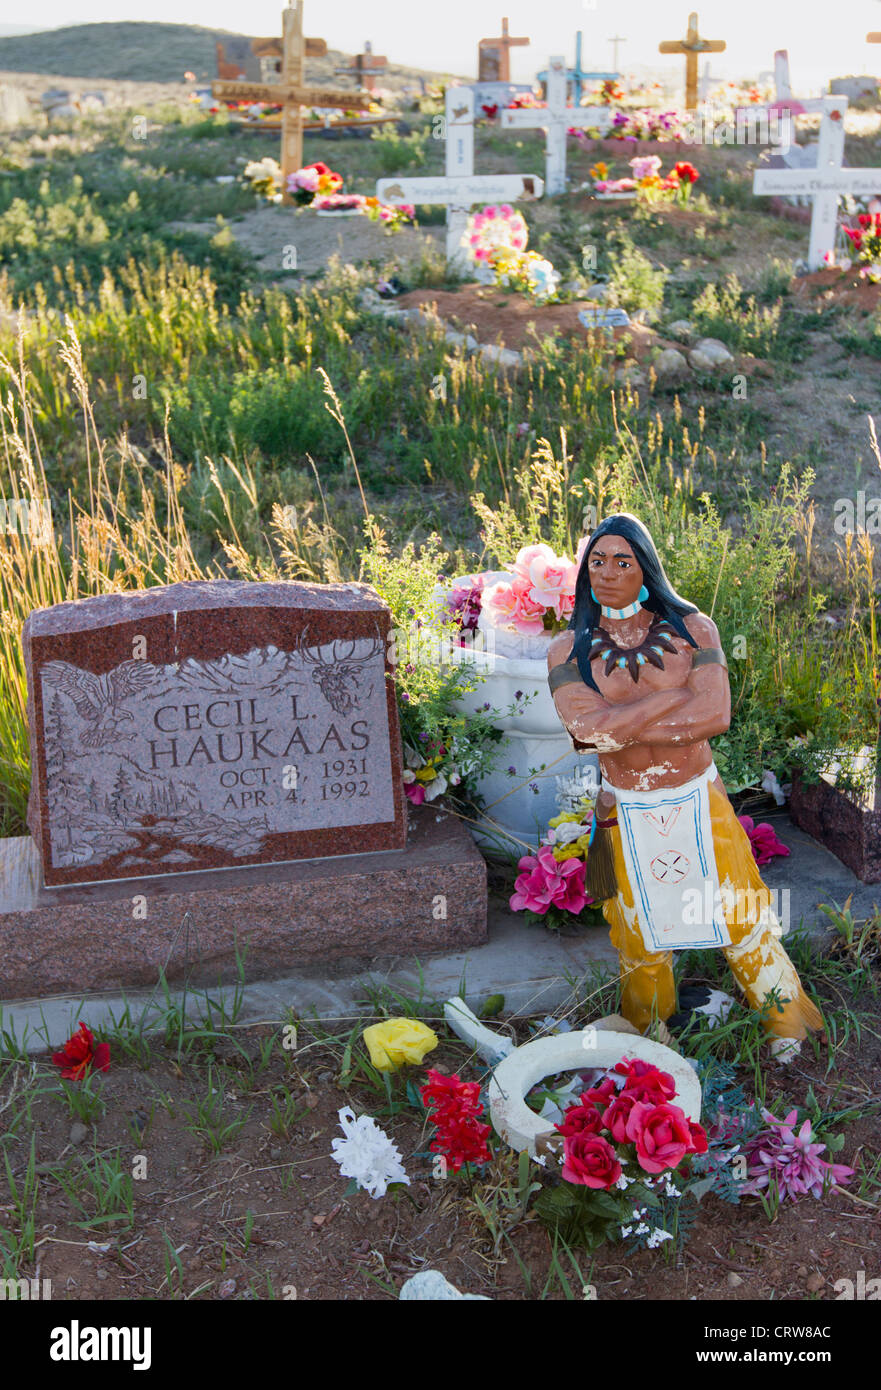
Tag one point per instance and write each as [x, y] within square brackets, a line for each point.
[209, 725]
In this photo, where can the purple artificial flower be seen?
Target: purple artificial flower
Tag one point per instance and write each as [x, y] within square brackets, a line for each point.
[792, 1160]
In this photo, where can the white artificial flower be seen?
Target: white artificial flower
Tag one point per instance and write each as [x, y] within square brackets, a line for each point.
[567, 832]
[436, 787]
[367, 1154]
[657, 1237]
[773, 787]
[574, 791]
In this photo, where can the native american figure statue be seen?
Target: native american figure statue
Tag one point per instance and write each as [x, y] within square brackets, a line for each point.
[640, 677]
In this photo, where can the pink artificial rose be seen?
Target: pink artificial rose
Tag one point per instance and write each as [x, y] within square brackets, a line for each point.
[763, 841]
[579, 554]
[661, 1134]
[415, 792]
[543, 882]
[509, 605]
[525, 557]
[552, 582]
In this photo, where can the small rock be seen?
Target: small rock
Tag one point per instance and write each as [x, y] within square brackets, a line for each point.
[505, 357]
[708, 354]
[227, 1288]
[641, 316]
[814, 1282]
[78, 1133]
[311, 1101]
[802, 1271]
[630, 375]
[465, 340]
[670, 365]
[597, 292]
[325, 1076]
[734, 1280]
[430, 1284]
[681, 329]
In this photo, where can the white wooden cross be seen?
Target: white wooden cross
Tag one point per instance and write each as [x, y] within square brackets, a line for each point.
[825, 183]
[784, 100]
[556, 118]
[460, 188]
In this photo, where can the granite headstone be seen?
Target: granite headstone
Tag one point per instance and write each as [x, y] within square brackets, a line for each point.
[209, 725]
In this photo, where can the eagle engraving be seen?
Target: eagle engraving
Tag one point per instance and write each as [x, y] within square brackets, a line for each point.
[98, 699]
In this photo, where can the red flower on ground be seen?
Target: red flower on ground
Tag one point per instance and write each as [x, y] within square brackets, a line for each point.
[580, 1119]
[590, 1161]
[80, 1055]
[685, 172]
[645, 1082]
[662, 1136]
[454, 1107]
[616, 1115]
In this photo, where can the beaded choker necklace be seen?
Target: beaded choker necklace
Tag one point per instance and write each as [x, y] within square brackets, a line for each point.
[657, 642]
[629, 612]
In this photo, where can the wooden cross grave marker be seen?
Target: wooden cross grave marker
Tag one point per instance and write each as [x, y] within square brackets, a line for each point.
[556, 118]
[494, 56]
[367, 67]
[824, 184]
[616, 41]
[459, 188]
[691, 46]
[291, 94]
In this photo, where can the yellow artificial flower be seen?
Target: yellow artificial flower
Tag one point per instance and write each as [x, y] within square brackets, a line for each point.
[563, 818]
[576, 849]
[398, 1041]
[427, 772]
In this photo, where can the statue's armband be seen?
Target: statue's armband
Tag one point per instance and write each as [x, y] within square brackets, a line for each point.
[709, 656]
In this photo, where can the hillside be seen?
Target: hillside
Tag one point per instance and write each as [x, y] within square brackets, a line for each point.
[147, 53]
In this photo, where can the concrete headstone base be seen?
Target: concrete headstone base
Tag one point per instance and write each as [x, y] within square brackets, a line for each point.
[429, 897]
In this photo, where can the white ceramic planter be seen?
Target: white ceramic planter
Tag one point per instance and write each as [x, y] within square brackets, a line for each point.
[519, 804]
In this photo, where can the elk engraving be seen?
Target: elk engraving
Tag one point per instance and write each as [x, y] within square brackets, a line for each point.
[340, 679]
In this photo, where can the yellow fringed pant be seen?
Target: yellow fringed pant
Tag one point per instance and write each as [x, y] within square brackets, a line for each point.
[756, 956]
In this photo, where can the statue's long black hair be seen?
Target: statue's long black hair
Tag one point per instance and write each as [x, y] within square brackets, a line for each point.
[663, 598]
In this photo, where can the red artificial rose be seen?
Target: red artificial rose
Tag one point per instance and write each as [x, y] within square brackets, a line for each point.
[590, 1161]
[580, 1119]
[80, 1055]
[454, 1107]
[865, 219]
[699, 1141]
[602, 1093]
[616, 1115]
[644, 1081]
[661, 1134]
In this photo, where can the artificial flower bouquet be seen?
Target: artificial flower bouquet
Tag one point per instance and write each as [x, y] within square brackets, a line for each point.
[495, 239]
[626, 1146]
[313, 181]
[552, 881]
[865, 241]
[647, 182]
[535, 598]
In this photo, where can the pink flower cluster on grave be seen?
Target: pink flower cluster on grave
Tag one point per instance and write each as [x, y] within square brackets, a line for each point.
[493, 227]
[541, 592]
[763, 840]
[544, 882]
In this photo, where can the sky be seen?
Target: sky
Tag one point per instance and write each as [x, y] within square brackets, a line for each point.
[442, 35]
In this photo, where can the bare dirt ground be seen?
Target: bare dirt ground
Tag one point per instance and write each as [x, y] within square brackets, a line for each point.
[269, 1213]
[269, 230]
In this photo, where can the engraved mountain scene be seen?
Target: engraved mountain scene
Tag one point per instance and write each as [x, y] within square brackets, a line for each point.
[155, 765]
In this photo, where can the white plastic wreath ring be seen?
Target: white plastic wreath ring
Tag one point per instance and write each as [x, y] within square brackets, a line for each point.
[516, 1075]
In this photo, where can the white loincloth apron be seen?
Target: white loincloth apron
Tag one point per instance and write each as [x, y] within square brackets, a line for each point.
[667, 843]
